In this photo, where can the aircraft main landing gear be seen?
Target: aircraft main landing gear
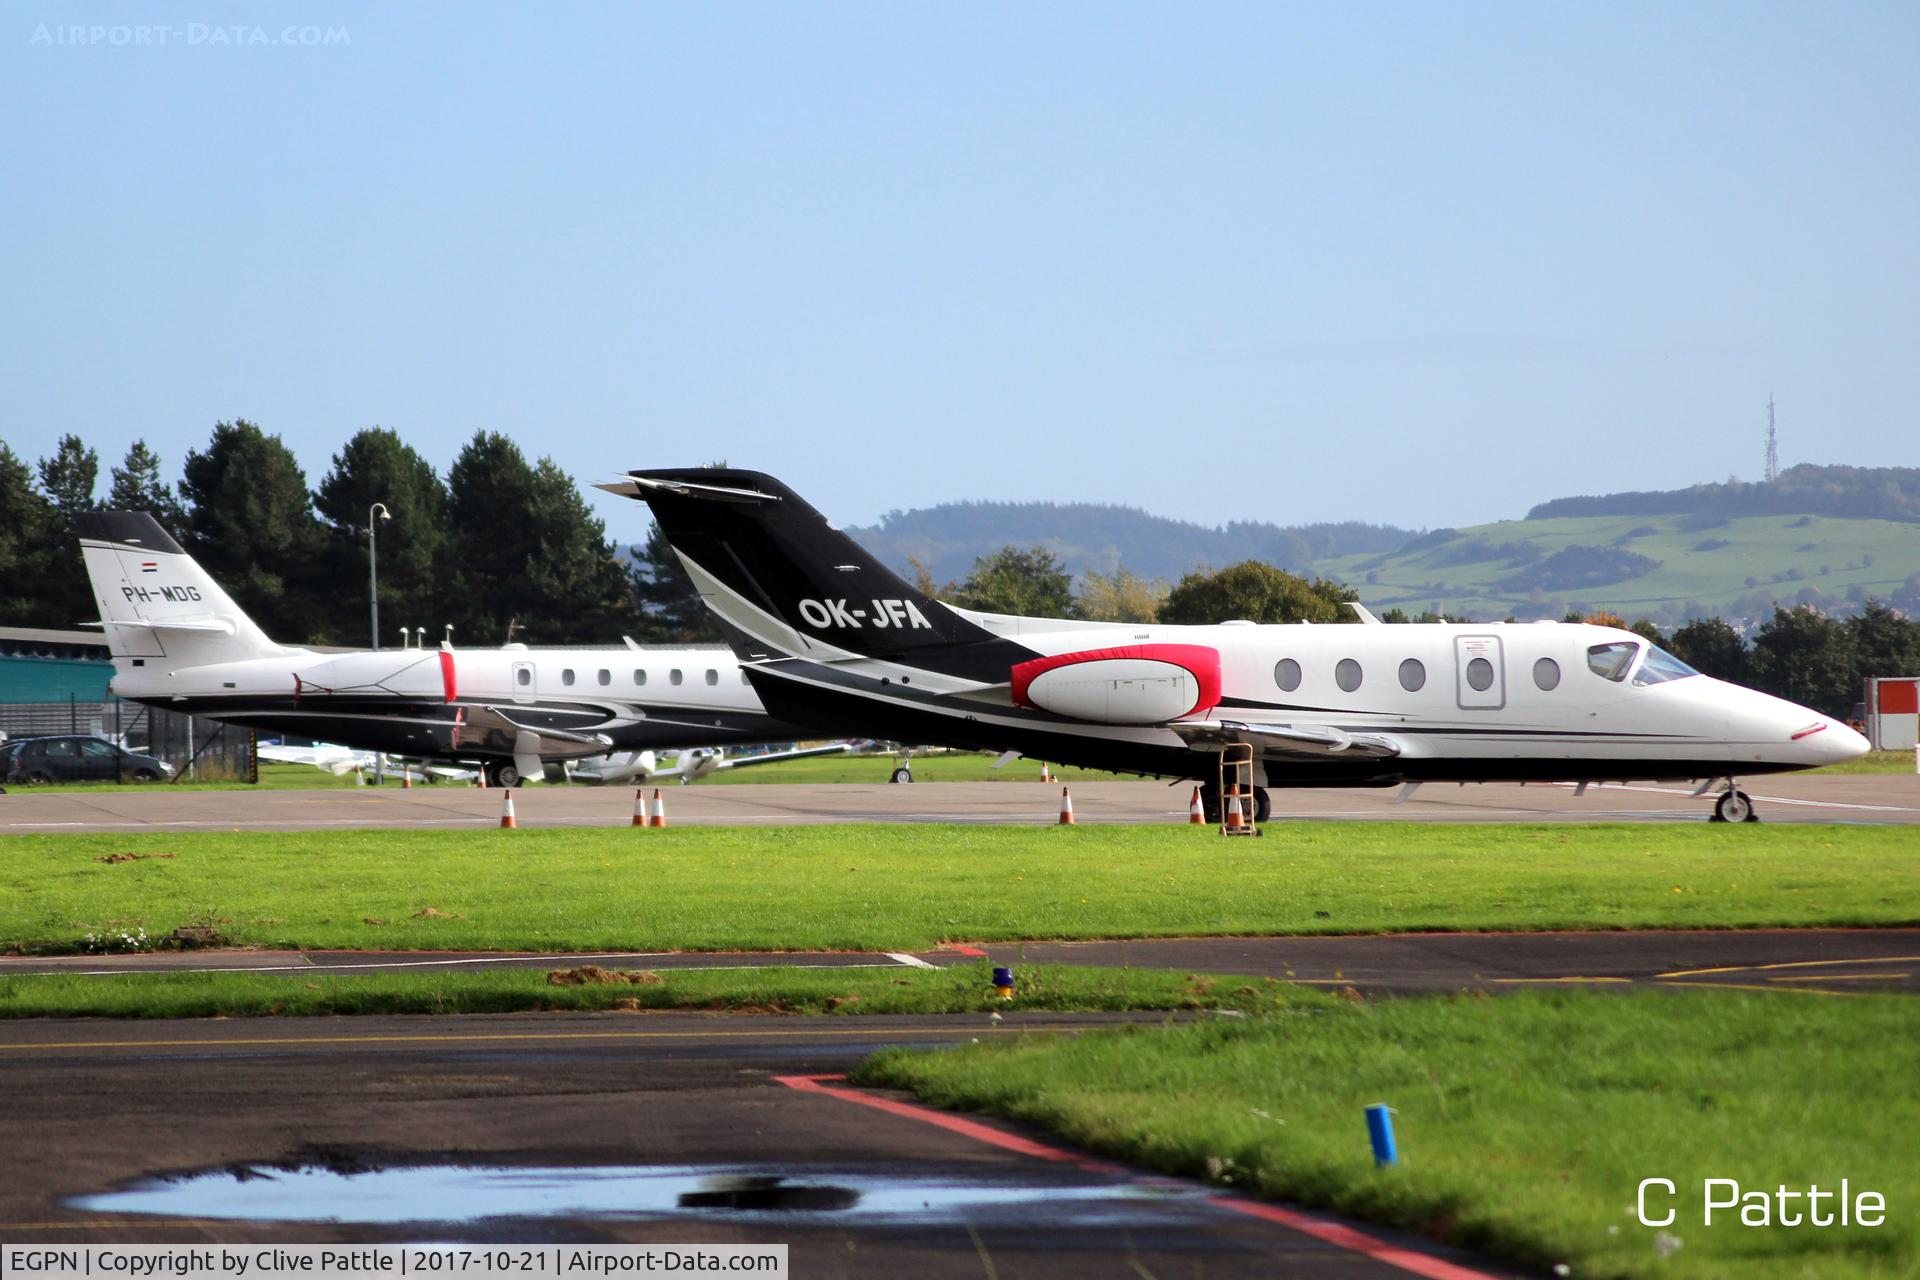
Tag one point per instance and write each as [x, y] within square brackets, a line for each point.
[1734, 805]
[503, 773]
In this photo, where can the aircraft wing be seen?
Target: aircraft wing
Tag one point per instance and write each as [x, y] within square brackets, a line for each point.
[1300, 740]
[741, 762]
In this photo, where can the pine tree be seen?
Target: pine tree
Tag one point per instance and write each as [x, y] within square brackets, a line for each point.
[137, 487]
[60, 577]
[376, 466]
[253, 529]
[29, 529]
[669, 607]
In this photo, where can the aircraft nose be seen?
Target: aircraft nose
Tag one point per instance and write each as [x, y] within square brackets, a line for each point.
[1828, 741]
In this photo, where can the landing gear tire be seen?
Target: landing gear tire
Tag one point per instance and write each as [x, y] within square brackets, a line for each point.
[1734, 806]
[901, 774]
[503, 773]
[1262, 805]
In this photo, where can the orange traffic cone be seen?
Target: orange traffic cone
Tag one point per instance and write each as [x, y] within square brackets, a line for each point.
[1044, 775]
[406, 778]
[639, 807]
[659, 810]
[506, 809]
[1066, 808]
[1196, 815]
[1235, 819]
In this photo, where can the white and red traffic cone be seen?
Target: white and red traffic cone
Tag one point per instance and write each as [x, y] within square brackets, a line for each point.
[1066, 808]
[659, 818]
[507, 820]
[1196, 812]
[1044, 775]
[1235, 818]
[639, 807]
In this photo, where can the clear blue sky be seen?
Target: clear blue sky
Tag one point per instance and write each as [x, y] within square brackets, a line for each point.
[1421, 263]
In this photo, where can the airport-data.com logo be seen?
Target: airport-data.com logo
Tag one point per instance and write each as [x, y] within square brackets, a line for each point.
[203, 35]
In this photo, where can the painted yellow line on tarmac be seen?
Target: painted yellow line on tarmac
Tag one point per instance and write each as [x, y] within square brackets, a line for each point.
[1790, 964]
[1589, 980]
[495, 1036]
[1837, 977]
[1754, 986]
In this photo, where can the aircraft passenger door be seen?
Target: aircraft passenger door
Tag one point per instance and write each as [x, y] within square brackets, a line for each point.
[526, 685]
[1480, 673]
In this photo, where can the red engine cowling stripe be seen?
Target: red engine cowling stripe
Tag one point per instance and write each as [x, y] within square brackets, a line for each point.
[1201, 662]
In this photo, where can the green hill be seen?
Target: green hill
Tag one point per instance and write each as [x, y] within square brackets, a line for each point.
[1665, 567]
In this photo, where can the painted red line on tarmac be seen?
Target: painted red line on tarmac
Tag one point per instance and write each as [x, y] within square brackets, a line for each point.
[1321, 1229]
[974, 952]
[1333, 1233]
[952, 1123]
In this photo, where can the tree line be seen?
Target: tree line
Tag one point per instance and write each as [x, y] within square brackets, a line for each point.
[498, 548]
[503, 548]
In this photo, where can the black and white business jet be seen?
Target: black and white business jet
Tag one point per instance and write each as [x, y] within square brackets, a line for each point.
[831, 638]
[179, 641]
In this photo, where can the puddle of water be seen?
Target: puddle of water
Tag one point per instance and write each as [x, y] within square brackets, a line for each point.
[461, 1193]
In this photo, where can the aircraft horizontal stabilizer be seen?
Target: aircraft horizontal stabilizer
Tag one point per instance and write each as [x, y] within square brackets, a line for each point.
[1287, 739]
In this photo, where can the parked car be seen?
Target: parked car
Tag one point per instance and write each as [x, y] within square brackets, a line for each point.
[76, 758]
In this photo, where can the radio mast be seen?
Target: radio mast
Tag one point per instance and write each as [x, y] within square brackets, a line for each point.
[1773, 444]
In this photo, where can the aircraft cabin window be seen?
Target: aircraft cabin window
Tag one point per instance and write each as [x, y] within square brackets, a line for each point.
[566, 675]
[713, 677]
[639, 676]
[1546, 673]
[522, 677]
[1286, 674]
[1480, 675]
[1661, 667]
[1347, 675]
[674, 676]
[1610, 661]
[1413, 675]
[606, 676]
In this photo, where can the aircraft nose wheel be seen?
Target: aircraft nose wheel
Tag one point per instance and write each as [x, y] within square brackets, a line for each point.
[502, 773]
[1734, 806]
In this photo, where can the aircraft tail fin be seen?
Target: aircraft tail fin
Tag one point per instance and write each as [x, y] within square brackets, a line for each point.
[158, 606]
[786, 583]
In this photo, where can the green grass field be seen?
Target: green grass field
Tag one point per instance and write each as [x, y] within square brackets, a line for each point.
[914, 886]
[1525, 1123]
[1874, 762]
[779, 989]
[1691, 567]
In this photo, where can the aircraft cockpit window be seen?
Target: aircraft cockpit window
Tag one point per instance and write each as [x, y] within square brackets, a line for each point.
[606, 676]
[674, 676]
[713, 677]
[1661, 667]
[1610, 661]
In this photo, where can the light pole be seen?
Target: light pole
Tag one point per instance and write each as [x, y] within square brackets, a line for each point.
[373, 578]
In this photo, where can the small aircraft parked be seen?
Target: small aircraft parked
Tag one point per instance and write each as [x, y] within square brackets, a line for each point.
[690, 765]
[830, 636]
[179, 641]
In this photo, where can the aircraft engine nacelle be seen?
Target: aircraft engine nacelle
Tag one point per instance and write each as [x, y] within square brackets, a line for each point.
[1132, 684]
[403, 673]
